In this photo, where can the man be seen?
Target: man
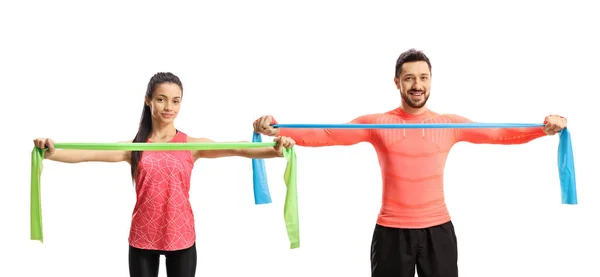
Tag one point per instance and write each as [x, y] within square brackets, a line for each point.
[413, 228]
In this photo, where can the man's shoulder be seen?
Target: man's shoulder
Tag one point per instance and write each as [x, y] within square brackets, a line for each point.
[447, 117]
[394, 115]
[374, 118]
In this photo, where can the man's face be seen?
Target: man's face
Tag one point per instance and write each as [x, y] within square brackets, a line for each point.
[414, 83]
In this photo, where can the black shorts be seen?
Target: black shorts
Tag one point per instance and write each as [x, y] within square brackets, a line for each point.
[431, 251]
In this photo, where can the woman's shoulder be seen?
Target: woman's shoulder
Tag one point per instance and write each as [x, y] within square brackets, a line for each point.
[198, 139]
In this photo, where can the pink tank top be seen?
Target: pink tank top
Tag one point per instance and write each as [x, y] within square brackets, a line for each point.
[162, 217]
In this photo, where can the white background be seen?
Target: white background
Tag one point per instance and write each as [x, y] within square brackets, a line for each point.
[76, 72]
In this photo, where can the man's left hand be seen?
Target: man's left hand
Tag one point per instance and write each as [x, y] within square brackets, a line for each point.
[554, 124]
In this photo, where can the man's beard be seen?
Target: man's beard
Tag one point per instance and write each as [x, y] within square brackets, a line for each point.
[411, 103]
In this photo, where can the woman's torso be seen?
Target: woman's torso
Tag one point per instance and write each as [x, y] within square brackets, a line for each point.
[162, 217]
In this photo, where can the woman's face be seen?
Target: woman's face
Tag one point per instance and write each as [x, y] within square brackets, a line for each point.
[165, 102]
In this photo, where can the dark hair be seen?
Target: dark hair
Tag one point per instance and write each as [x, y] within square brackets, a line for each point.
[146, 120]
[411, 55]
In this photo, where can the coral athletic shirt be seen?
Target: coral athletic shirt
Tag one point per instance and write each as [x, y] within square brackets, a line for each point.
[412, 160]
[162, 217]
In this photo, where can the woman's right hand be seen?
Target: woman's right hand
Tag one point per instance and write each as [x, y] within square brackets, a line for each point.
[45, 143]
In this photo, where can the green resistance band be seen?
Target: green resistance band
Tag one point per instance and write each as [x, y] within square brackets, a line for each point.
[291, 198]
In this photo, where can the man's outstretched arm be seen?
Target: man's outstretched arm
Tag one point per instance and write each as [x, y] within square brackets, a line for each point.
[317, 137]
[553, 124]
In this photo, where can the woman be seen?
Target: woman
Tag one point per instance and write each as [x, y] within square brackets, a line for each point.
[162, 221]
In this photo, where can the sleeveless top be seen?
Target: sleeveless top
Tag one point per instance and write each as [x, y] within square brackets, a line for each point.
[162, 217]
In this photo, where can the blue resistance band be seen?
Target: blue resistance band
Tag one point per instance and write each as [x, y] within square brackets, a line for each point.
[259, 177]
[566, 165]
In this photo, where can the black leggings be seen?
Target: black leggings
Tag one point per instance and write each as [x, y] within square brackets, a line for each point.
[180, 263]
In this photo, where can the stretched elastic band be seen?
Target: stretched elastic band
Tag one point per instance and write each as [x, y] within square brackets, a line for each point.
[261, 196]
[408, 126]
[566, 165]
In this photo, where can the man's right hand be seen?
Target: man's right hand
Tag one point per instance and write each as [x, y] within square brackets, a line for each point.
[263, 126]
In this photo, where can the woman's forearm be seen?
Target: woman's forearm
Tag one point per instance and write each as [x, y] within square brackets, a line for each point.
[79, 156]
[260, 153]
[66, 156]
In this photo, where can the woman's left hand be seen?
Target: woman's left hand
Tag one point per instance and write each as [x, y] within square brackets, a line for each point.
[283, 142]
